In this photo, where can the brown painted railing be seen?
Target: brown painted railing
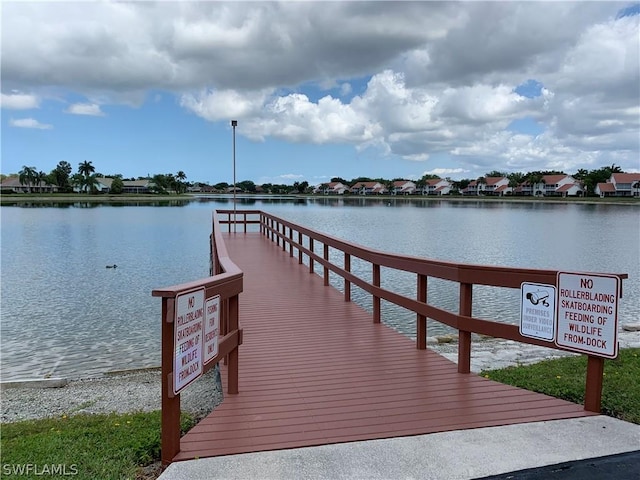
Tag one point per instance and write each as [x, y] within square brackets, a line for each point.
[226, 281]
[307, 242]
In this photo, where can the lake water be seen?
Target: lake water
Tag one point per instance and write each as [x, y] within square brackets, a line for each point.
[64, 314]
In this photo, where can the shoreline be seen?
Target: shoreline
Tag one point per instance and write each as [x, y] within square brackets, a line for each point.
[127, 391]
[150, 198]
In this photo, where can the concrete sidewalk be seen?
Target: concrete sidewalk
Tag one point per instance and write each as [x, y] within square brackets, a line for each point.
[463, 454]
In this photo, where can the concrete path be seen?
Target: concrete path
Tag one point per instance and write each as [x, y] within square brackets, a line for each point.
[463, 454]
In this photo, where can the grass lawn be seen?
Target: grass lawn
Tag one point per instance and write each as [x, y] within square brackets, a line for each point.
[83, 447]
[565, 378]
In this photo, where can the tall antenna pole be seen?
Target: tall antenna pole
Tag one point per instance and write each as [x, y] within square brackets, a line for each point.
[234, 124]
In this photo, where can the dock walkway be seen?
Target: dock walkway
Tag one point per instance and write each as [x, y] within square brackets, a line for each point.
[315, 370]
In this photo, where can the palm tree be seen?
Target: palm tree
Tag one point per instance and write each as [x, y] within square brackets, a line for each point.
[91, 183]
[27, 176]
[86, 169]
[77, 181]
[180, 176]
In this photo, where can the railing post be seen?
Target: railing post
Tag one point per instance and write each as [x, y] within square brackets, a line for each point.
[593, 388]
[347, 283]
[421, 320]
[300, 248]
[170, 429]
[376, 299]
[278, 224]
[464, 337]
[244, 220]
[310, 257]
[326, 269]
[290, 242]
[232, 370]
[284, 236]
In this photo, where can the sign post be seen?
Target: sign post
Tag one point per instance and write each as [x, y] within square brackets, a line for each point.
[537, 312]
[587, 313]
[188, 334]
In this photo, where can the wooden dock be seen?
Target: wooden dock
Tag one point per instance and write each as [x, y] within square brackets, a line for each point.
[315, 370]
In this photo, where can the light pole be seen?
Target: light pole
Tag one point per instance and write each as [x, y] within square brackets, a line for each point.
[234, 124]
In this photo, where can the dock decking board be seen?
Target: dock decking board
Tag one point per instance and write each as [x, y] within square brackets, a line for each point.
[314, 370]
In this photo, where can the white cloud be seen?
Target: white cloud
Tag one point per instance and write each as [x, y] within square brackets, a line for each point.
[19, 101]
[91, 109]
[29, 123]
[445, 172]
[441, 75]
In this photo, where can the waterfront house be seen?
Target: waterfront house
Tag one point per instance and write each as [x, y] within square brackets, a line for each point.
[488, 186]
[12, 184]
[437, 186]
[332, 188]
[368, 188]
[551, 185]
[620, 185]
[403, 187]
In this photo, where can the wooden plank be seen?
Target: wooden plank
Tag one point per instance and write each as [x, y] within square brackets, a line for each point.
[314, 370]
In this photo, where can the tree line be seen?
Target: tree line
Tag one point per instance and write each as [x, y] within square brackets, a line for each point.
[87, 180]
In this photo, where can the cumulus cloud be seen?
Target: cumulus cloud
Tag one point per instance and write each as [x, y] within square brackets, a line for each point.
[29, 123]
[440, 78]
[19, 101]
[445, 172]
[91, 109]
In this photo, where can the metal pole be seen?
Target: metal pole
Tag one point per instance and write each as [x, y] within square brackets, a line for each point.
[234, 124]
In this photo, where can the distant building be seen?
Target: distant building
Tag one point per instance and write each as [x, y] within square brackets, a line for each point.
[368, 188]
[403, 187]
[437, 186]
[12, 184]
[333, 188]
[551, 185]
[488, 186]
[620, 185]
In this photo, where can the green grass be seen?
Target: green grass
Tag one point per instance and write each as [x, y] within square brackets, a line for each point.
[565, 378]
[86, 446]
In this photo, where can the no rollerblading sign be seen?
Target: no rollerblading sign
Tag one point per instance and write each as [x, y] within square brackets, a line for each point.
[587, 313]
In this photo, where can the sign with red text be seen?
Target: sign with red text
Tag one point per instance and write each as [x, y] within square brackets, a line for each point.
[537, 311]
[189, 329]
[211, 328]
[587, 313]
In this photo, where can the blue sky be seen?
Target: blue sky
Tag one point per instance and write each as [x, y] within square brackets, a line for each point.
[320, 89]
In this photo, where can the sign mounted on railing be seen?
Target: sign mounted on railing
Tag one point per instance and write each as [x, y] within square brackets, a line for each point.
[587, 313]
[188, 335]
[537, 312]
[211, 328]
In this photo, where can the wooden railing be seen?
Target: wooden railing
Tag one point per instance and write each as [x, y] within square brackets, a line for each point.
[226, 281]
[314, 246]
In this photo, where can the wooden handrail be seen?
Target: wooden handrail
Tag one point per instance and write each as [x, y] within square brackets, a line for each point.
[226, 280]
[466, 275]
